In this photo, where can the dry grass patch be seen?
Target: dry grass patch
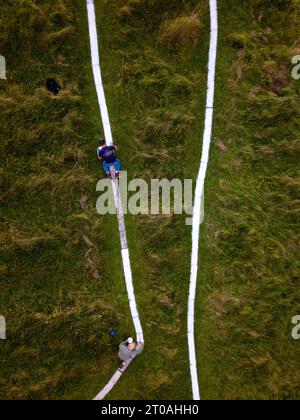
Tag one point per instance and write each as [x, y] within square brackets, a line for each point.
[181, 32]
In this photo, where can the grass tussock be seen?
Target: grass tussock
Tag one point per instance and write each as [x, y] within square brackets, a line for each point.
[62, 34]
[181, 32]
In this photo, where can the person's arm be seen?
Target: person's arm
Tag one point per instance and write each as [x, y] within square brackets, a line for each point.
[123, 344]
[124, 353]
[139, 348]
[98, 154]
[122, 350]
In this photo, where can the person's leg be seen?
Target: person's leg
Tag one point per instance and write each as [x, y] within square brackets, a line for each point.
[106, 168]
[118, 165]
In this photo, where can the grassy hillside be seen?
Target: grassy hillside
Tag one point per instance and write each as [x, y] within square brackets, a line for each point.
[250, 259]
[61, 285]
[57, 288]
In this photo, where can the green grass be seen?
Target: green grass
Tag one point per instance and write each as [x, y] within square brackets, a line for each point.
[57, 308]
[250, 255]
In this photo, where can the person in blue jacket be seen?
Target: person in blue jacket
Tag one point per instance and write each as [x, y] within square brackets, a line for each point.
[108, 156]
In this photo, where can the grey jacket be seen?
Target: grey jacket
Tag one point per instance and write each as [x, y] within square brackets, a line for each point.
[126, 354]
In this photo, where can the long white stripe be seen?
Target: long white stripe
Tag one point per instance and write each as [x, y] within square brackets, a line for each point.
[97, 71]
[114, 379]
[109, 140]
[199, 195]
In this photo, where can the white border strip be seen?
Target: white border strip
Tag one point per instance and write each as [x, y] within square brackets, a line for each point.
[199, 195]
[109, 140]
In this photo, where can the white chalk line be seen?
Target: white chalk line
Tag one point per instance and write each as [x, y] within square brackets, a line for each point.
[109, 139]
[114, 379]
[198, 211]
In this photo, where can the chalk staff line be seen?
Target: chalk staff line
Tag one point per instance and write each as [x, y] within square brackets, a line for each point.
[198, 212]
[114, 379]
[117, 197]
